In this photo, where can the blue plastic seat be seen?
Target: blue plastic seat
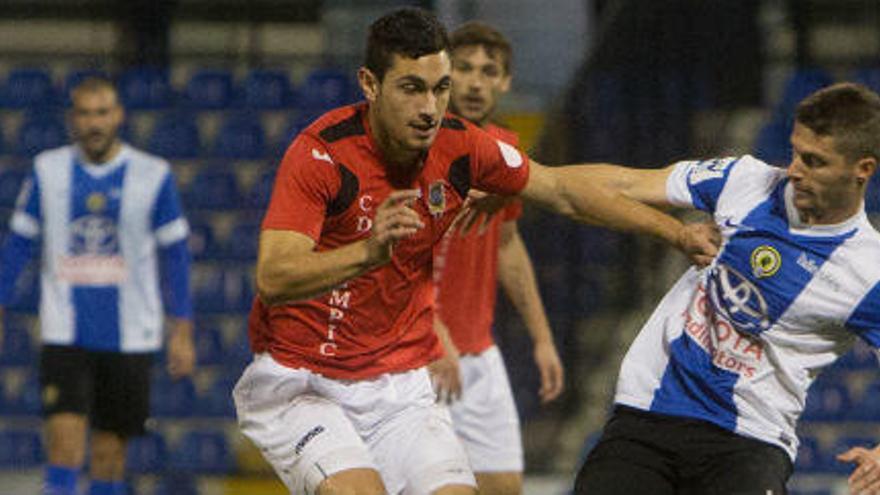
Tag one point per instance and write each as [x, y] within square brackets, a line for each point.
[261, 190]
[26, 296]
[772, 143]
[205, 452]
[827, 402]
[27, 400]
[175, 135]
[145, 88]
[209, 289]
[215, 188]
[20, 449]
[147, 453]
[10, 185]
[867, 405]
[809, 456]
[210, 89]
[18, 349]
[860, 357]
[241, 137]
[265, 89]
[171, 398]
[242, 242]
[324, 89]
[29, 88]
[202, 243]
[209, 346]
[800, 84]
[217, 400]
[40, 132]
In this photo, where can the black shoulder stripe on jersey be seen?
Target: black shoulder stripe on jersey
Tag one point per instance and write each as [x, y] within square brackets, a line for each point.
[460, 175]
[352, 126]
[348, 191]
[452, 123]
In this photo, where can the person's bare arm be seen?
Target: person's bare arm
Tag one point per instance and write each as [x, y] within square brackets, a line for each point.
[517, 276]
[289, 268]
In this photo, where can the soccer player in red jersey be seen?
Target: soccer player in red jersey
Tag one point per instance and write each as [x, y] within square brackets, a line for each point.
[338, 397]
[467, 267]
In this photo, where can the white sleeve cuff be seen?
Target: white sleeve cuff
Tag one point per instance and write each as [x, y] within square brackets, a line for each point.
[173, 231]
[24, 225]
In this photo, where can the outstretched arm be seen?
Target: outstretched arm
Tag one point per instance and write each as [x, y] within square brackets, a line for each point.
[865, 478]
[288, 267]
[517, 277]
[592, 194]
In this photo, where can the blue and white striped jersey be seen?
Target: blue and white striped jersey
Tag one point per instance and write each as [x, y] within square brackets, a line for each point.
[101, 226]
[738, 343]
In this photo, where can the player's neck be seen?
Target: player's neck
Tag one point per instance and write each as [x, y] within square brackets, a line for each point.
[394, 154]
[107, 156]
[814, 216]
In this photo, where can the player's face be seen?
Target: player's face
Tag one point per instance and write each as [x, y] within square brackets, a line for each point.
[409, 102]
[827, 187]
[478, 80]
[96, 117]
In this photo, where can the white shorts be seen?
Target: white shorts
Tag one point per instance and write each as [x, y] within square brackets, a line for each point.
[309, 427]
[485, 418]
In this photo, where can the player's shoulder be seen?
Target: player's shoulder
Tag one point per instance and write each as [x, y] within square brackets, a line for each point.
[143, 159]
[53, 157]
[339, 124]
[503, 133]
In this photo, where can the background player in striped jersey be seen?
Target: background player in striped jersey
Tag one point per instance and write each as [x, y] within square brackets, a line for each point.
[107, 214]
[711, 389]
[465, 267]
[338, 397]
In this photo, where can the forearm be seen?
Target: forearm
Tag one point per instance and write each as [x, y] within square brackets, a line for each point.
[175, 265]
[283, 278]
[517, 278]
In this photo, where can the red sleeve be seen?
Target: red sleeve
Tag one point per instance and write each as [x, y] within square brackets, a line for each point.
[307, 180]
[512, 211]
[496, 166]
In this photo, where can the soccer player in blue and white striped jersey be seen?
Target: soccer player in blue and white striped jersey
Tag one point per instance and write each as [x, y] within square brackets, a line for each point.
[107, 216]
[711, 390]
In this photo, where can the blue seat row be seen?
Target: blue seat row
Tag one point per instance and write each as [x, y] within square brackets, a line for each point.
[207, 89]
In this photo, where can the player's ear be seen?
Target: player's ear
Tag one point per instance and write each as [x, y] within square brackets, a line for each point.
[865, 168]
[369, 84]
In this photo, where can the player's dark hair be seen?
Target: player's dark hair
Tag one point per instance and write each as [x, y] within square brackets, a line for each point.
[93, 84]
[848, 112]
[409, 32]
[481, 34]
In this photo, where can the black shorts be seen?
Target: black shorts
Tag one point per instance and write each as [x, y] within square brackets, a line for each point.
[111, 388]
[648, 453]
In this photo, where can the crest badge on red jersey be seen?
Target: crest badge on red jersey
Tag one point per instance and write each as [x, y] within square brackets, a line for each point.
[436, 198]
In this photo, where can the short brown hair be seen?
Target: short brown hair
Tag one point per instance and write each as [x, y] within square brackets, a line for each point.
[848, 112]
[481, 34]
[93, 84]
[409, 32]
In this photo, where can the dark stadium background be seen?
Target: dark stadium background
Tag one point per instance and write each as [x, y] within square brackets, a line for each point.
[219, 87]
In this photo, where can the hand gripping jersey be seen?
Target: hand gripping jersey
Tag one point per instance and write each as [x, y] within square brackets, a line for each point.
[101, 226]
[739, 343]
[328, 187]
[465, 274]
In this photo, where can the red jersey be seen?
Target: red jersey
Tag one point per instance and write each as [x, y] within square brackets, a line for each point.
[465, 274]
[328, 186]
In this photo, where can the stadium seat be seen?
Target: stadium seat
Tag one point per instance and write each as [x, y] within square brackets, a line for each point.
[265, 89]
[860, 357]
[210, 89]
[872, 195]
[145, 88]
[217, 400]
[10, 185]
[214, 188]
[175, 135]
[772, 143]
[324, 89]
[809, 457]
[204, 452]
[291, 131]
[171, 398]
[209, 289]
[202, 244]
[20, 449]
[827, 401]
[40, 132]
[26, 296]
[29, 88]
[800, 84]
[867, 405]
[26, 402]
[18, 349]
[241, 137]
[242, 242]
[209, 346]
[261, 190]
[147, 454]
[175, 482]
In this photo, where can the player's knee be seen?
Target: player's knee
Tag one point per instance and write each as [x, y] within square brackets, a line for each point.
[353, 482]
[455, 490]
[499, 483]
